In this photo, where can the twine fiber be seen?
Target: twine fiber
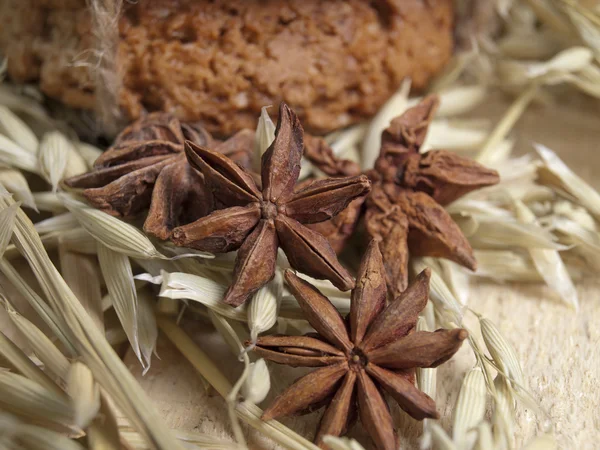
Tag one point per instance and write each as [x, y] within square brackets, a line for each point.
[107, 73]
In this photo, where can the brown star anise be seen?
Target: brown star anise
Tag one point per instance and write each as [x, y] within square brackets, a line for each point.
[340, 228]
[259, 222]
[375, 348]
[146, 168]
[405, 208]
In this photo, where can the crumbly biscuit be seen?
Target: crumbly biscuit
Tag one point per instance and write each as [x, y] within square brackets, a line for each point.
[218, 62]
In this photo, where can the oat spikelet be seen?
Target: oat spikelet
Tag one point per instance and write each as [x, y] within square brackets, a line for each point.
[264, 137]
[17, 435]
[88, 152]
[470, 408]
[116, 270]
[549, 263]
[84, 393]
[258, 382]
[542, 442]
[20, 362]
[341, 443]
[17, 130]
[556, 173]
[30, 400]
[61, 222]
[13, 155]
[426, 381]
[55, 363]
[7, 222]
[111, 232]
[58, 159]
[502, 352]
[263, 309]
[208, 292]
[14, 182]
[108, 369]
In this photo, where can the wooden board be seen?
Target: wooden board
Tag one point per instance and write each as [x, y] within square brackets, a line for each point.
[558, 348]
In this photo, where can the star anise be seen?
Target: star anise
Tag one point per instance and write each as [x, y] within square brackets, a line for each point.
[374, 349]
[259, 222]
[405, 208]
[146, 168]
[340, 228]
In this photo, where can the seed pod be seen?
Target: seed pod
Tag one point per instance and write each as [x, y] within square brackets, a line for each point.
[113, 233]
[18, 131]
[470, 408]
[52, 358]
[262, 312]
[484, 437]
[7, 221]
[58, 159]
[14, 181]
[502, 351]
[426, 378]
[504, 413]
[84, 393]
[258, 382]
[264, 137]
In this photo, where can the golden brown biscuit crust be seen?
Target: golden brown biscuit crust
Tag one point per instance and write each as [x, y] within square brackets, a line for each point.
[219, 62]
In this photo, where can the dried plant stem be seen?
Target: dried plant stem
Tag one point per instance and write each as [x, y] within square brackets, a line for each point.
[168, 306]
[55, 363]
[96, 352]
[230, 336]
[23, 365]
[550, 17]
[486, 154]
[82, 274]
[249, 413]
[38, 305]
[103, 433]
[231, 402]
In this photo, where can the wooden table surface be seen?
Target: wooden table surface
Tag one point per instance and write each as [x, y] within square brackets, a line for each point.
[558, 348]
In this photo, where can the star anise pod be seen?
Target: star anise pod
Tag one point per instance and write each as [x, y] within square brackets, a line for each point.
[405, 208]
[340, 228]
[146, 168]
[259, 222]
[376, 348]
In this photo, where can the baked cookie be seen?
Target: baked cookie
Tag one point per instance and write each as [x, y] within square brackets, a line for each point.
[218, 62]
